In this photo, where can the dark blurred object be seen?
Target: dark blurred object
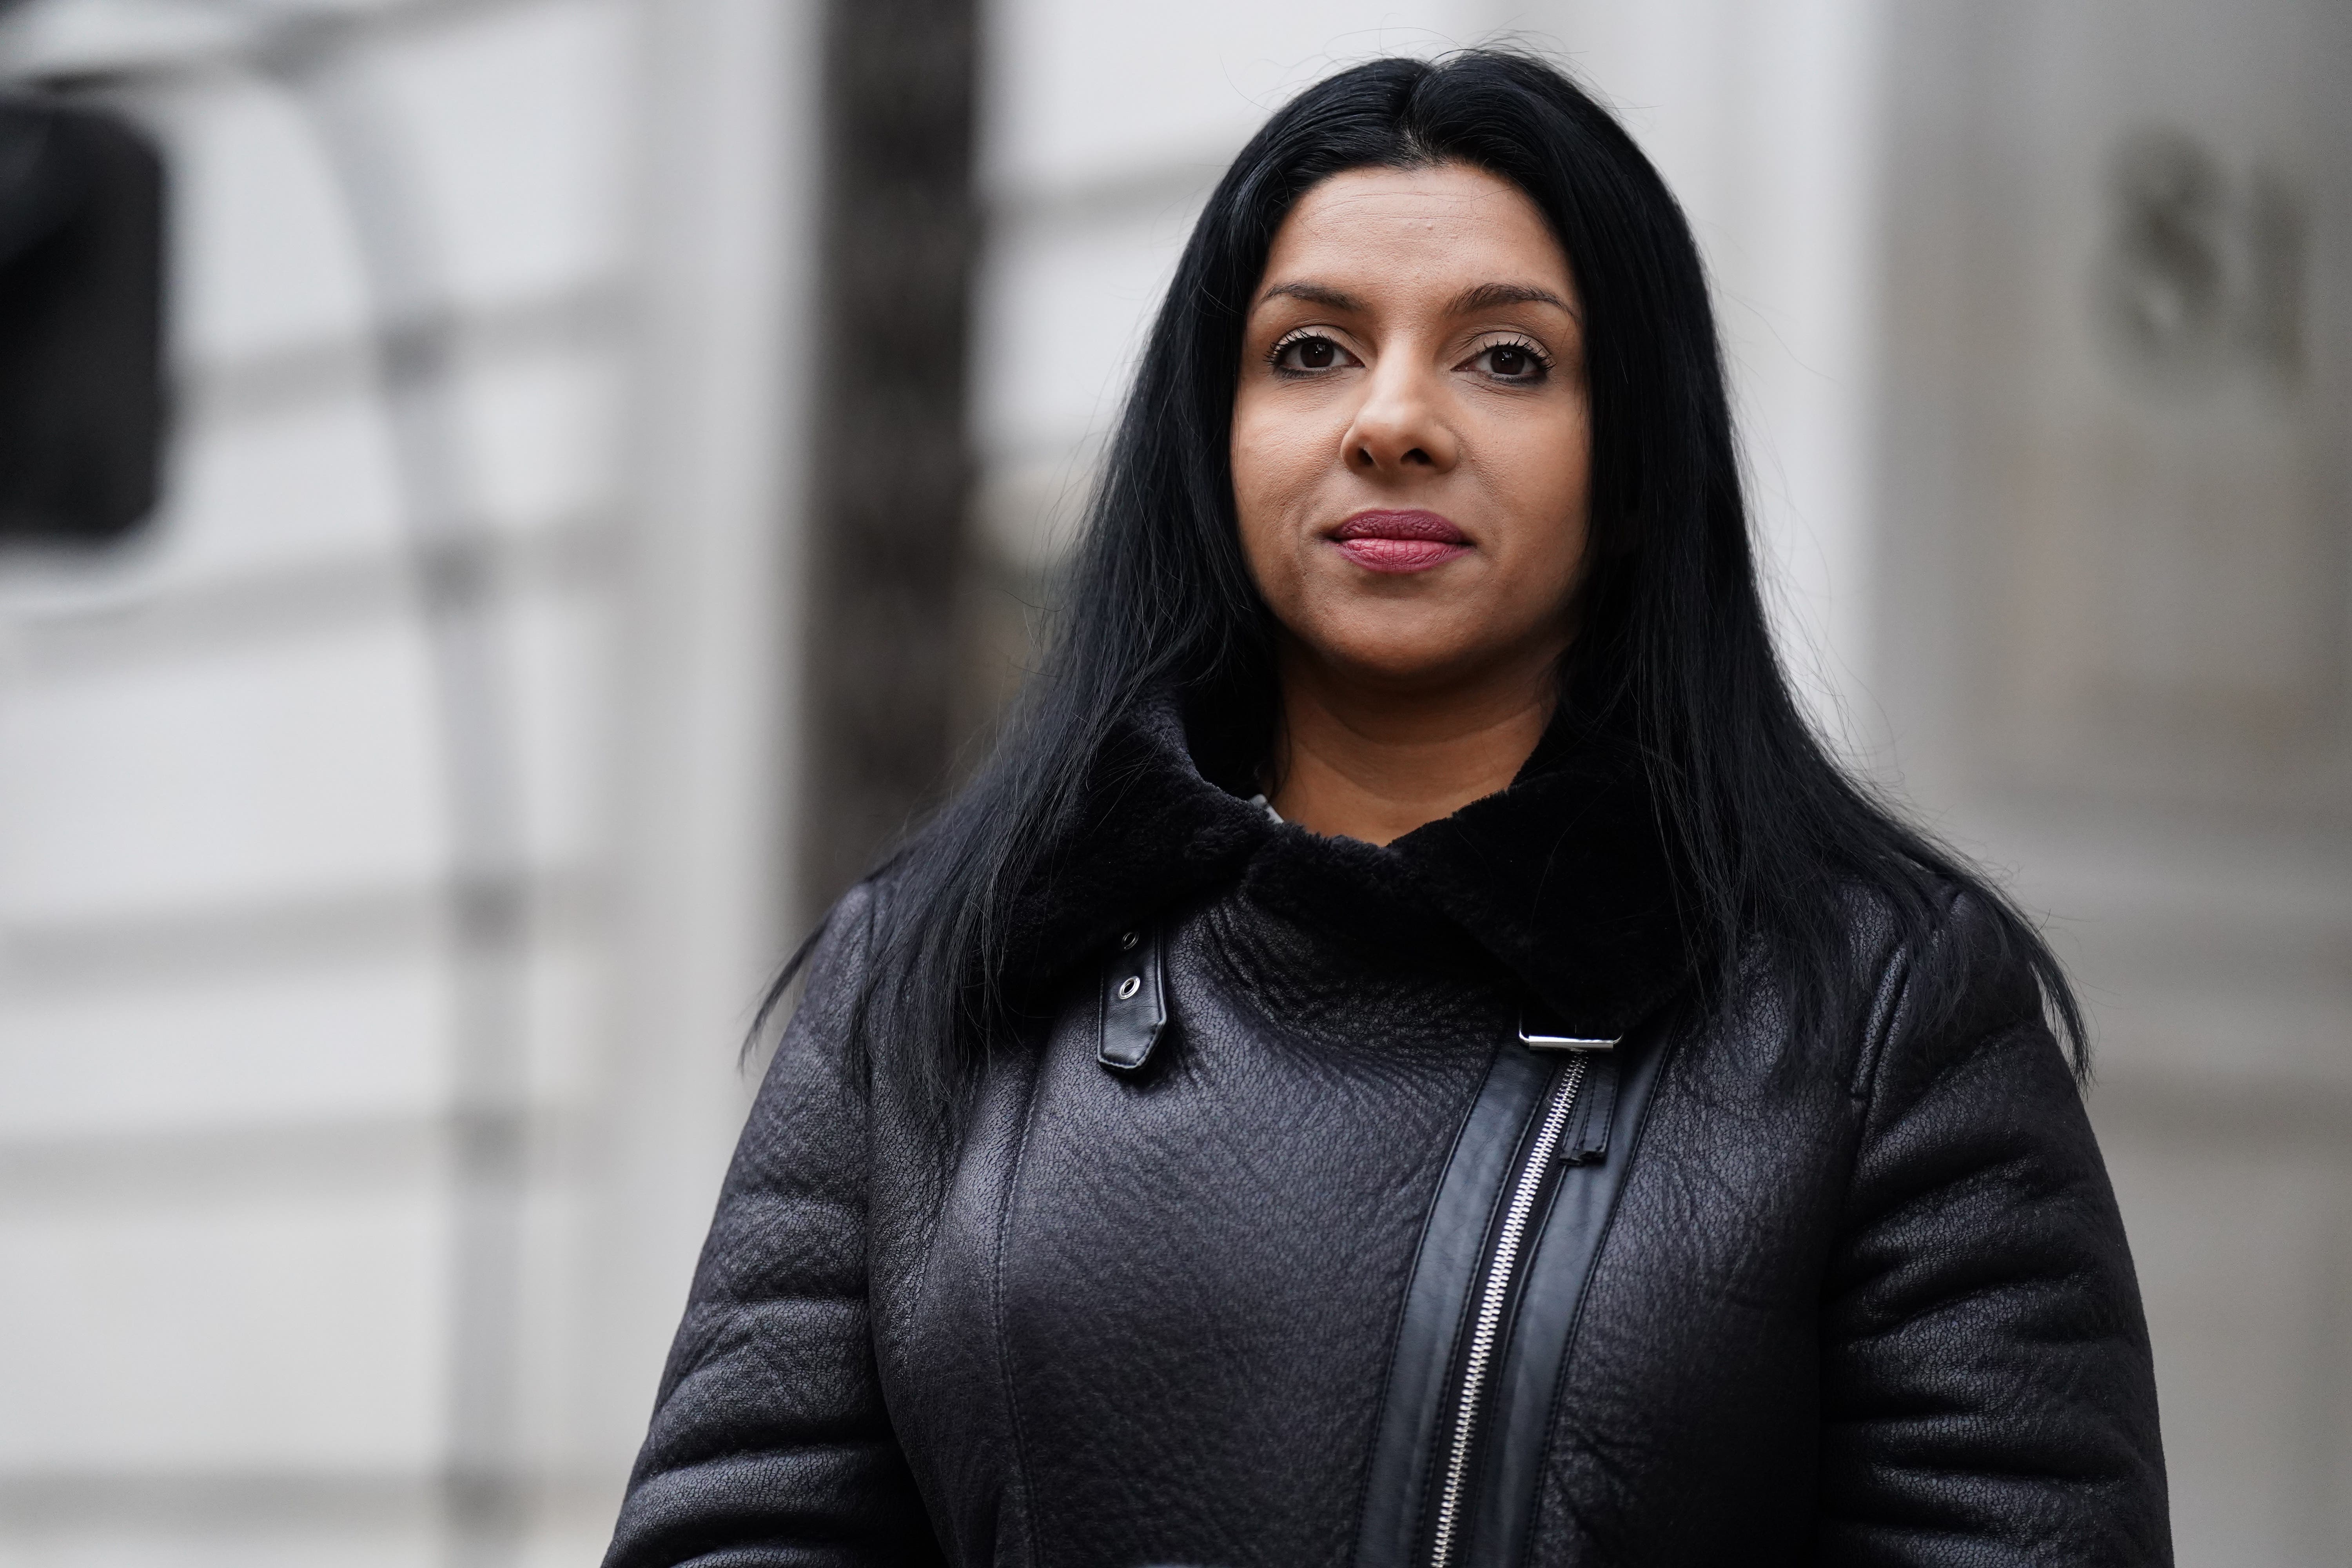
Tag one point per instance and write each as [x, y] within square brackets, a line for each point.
[2204, 266]
[894, 483]
[82, 307]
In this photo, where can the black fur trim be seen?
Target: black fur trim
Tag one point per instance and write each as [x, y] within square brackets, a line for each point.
[1565, 878]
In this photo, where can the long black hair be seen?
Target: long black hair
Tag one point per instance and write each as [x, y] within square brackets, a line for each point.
[1673, 639]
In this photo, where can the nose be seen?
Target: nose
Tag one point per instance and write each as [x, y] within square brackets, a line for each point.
[1400, 428]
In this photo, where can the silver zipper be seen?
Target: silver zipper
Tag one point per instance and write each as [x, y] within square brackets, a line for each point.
[1491, 1301]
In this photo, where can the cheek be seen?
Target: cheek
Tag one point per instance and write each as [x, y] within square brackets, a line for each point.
[1276, 465]
[1547, 482]
[1276, 456]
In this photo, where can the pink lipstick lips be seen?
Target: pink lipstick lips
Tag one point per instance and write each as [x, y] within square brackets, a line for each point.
[1400, 540]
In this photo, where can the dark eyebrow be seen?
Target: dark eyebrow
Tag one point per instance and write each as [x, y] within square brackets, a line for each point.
[1314, 294]
[1487, 296]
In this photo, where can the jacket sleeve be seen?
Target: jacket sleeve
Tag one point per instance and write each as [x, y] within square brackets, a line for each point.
[1988, 1393]
[770, 1444]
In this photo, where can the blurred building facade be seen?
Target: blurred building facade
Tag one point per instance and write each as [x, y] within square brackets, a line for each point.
[395, 834]
[2113, 525]
[393, 841]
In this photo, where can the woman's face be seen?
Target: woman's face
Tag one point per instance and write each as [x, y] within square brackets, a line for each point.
[1411, 444]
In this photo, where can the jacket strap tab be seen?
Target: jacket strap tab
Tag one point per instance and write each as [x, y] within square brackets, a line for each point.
[1134, 1002]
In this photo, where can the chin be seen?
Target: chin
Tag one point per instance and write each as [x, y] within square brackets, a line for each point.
[1408, 663]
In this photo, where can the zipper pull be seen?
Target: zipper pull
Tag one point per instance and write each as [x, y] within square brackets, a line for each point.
[1587, 1140]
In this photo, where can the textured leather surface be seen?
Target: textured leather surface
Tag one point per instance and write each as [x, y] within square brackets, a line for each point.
[1561, 1260]
[1414, 1416]
[1862, 1298]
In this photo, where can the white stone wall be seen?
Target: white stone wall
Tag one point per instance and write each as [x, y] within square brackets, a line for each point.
[2114, 648]
[391, 839]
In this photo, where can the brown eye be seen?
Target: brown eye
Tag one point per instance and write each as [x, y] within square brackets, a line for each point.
[1513, 362]
[1311, 354]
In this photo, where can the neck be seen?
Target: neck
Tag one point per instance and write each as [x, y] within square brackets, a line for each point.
[1360, 758]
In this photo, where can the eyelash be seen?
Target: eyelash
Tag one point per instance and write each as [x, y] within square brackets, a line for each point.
[1533, 349]
[1527, 346]
[1284, 344]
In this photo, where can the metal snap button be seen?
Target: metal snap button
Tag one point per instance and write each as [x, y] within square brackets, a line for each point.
[1129, 986]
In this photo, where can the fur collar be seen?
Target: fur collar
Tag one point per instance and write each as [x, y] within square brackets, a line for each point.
[1564, 878]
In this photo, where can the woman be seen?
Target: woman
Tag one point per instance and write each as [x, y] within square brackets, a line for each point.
[1412, 1054]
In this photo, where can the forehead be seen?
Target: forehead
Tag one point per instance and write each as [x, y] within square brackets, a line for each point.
[1438, 225]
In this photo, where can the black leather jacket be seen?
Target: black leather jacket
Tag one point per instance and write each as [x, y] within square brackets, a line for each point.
[1292, 1252]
